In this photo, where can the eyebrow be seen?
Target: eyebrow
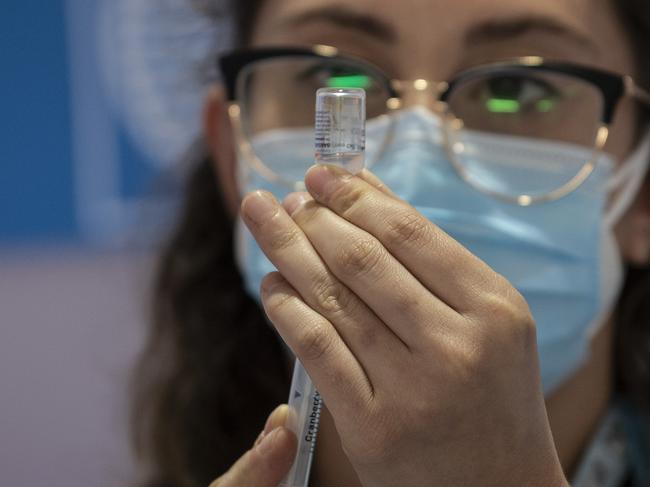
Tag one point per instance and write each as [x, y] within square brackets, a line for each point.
[343, 16]
[506, 29]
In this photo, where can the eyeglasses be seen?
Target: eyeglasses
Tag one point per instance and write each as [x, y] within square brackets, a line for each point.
[273, 89]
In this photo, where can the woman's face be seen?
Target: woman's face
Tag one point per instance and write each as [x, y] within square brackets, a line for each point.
[434, 40]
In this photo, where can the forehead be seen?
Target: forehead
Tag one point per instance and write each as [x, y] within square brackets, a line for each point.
[438, 29]
[438, 13]
[437, 10]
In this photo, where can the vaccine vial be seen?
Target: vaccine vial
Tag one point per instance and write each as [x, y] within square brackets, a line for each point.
[340, 128]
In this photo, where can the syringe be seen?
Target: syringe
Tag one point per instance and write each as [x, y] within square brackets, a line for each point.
[340, 138]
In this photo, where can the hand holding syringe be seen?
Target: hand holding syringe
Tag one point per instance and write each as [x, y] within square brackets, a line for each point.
[339, 139]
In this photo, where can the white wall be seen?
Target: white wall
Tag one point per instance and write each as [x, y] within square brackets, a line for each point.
[70, 326]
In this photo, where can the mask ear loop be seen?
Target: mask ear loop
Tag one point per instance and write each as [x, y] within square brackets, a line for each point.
[629, 179]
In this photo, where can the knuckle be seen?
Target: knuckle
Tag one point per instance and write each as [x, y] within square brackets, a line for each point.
[472, 360]
[281, 240]
[408, 228]
[525, 330]
[338, 303]
[508, 312]
[276, 303]
[518, 300]
[361, 257]
[306, 213]
[512, 296]
[347, 197]
[500, 282]
[407, 303]
[315, 342]
[501, 310]
[367, 336]
[331, 298]
[471, 364]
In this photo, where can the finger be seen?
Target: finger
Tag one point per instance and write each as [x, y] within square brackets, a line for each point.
[277, 418]
[286, 246]
[314, 340]
[265, 465]
[443, 265]
[370, 340]
[374, 181]
[362, 263]
[270, 459]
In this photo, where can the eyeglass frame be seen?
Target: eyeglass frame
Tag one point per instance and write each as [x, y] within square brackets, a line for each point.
[612, 86]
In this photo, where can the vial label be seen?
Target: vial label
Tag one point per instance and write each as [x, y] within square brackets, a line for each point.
[342, 134]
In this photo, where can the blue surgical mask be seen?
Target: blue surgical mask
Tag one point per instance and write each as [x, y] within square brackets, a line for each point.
[561, 255]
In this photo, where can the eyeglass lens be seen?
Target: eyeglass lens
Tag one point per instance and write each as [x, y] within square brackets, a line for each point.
[502, 110]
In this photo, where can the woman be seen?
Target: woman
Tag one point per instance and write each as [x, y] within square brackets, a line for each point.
[419, 305]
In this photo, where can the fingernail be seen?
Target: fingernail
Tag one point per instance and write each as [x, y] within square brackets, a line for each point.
[294, 201]
[259, 206]
[319, 177]
[267, 443]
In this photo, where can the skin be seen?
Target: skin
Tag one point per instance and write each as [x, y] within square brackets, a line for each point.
[377, 433]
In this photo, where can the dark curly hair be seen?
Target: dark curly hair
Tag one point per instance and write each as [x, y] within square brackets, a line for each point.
[212, 369]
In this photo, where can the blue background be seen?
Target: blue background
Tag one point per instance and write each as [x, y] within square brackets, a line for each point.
[36, 172]
[39, 205]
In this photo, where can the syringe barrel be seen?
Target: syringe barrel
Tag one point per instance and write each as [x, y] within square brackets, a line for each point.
[304, 418]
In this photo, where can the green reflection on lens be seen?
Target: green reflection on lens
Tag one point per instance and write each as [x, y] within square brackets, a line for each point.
[545, 105]
[503, 105]
[349, 81]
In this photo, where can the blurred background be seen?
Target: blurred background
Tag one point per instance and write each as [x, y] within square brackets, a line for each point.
[100, 100]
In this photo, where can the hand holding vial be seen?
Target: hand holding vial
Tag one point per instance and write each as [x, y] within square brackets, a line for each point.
[401, 328]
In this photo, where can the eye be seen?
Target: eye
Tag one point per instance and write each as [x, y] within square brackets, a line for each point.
[518, 94]
[336, 76]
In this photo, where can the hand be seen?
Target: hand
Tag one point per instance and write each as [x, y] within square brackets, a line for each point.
[425, 356]
[269, 461]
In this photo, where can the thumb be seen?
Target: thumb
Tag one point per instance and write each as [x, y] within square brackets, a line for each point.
[270, 459]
